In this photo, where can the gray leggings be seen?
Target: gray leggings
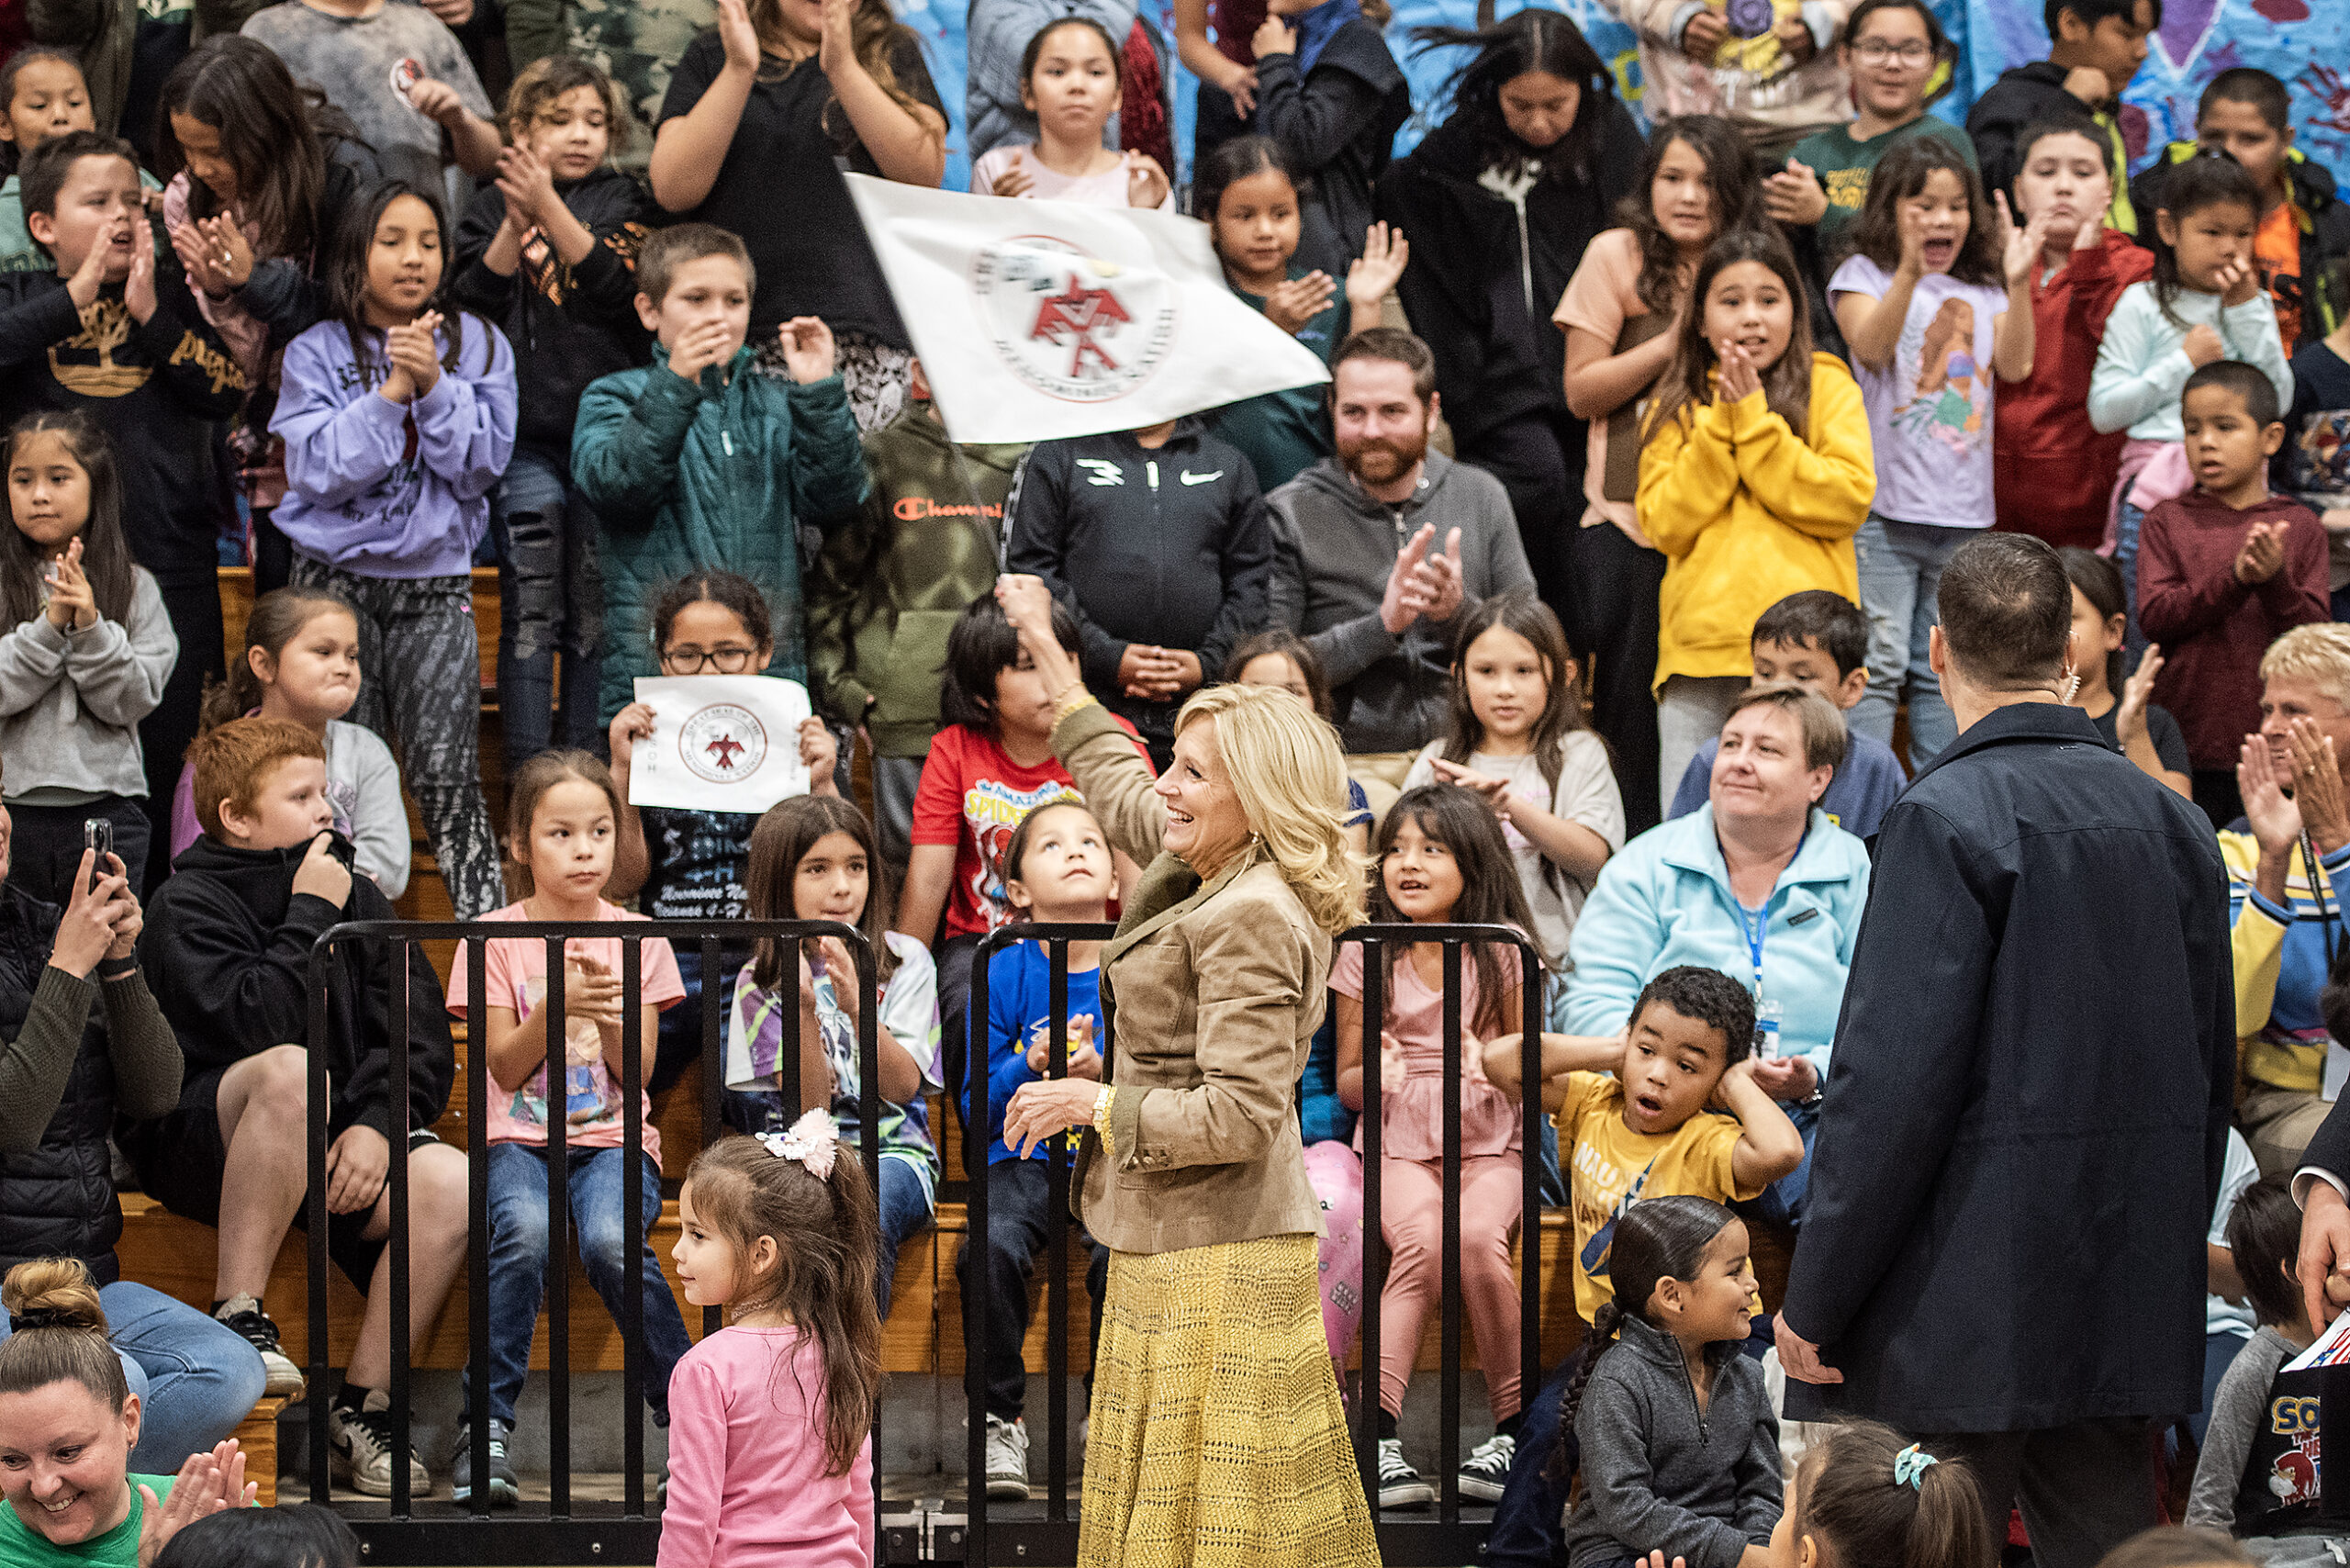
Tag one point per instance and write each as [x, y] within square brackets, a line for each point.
[418, 656]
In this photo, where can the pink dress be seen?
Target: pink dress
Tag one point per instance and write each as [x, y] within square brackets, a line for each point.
[747, 1487]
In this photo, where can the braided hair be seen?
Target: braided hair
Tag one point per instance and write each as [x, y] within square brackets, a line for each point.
[1663, 1238]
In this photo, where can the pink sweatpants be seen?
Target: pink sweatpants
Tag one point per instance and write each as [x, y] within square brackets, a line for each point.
[1411, 1201]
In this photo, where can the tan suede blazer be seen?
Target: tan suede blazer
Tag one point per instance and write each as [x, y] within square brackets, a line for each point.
[1215, 990]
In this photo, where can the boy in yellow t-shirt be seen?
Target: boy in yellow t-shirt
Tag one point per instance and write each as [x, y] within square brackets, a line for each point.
[1638, 1119]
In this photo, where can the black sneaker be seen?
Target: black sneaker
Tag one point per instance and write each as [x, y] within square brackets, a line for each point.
[243, 1315]
[1400, 1486]
[1487, 1470]
[505, 1491]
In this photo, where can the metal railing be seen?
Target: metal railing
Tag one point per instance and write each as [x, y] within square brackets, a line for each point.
[1014, 1533]
[567, 1533]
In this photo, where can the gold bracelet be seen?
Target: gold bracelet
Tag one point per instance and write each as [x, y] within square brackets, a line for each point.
[1101, 1118]
[1070, 701]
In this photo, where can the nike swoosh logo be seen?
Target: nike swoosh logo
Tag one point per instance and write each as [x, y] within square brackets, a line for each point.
[1191, 479]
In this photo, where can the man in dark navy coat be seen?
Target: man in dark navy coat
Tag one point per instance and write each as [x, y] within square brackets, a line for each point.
[2033, 1075]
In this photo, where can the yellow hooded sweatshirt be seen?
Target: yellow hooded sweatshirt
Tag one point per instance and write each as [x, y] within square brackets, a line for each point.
[1747, 512]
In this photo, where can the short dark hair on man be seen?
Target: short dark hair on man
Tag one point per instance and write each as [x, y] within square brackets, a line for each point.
[2259, 393]
[2264, 1234]
[1391, 344]
[46, 167]
[671, 248]
[2007, 610]
[980, 643]
[1817, 616]
[2092, 12]
[2247, 84]
[1706, 996]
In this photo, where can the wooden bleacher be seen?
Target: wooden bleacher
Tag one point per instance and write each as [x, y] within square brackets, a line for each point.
[924, 1332]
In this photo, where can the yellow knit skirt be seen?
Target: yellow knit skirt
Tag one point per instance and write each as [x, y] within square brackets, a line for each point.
[1217, 1436]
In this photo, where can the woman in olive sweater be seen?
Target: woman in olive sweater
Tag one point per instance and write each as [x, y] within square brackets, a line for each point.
[83, 1040]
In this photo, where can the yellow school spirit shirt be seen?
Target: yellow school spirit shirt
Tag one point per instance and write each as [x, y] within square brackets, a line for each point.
[1610, 1167]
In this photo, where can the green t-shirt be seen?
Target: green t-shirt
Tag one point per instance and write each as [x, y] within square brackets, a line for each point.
[1284, 434]
[21, 1547]
[1844, 165]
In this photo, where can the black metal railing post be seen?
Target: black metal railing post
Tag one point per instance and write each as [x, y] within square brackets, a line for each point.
[632, 1227]
[477, 1415]
[585, 1535]
[1447, 1538]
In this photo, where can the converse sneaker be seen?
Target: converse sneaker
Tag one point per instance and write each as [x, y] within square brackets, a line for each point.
[1400, 1486]
[243, 1315]
[505, 1491]
[1487, 1470]
[362, 1442]
[1007, 1459]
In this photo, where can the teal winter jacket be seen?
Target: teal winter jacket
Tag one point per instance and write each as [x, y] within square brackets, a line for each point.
[709, 476]
[1664, 900]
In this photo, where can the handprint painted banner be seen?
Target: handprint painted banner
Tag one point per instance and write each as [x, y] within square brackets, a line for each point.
[719, 743]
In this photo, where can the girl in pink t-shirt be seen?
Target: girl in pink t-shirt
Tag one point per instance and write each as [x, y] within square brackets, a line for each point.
[1069, 80]
[770, 1449]
[1442, 860]
[562, 825]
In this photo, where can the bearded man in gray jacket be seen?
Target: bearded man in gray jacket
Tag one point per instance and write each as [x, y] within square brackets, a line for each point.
[1380, 551]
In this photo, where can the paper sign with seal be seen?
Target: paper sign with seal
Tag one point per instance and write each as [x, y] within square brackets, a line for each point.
[719, 743]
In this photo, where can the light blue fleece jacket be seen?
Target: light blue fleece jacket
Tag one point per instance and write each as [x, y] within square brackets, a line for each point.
[1664, 900]
[385, 489]
[2142, 364]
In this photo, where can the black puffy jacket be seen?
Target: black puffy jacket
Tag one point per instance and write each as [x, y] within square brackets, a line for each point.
[57, 1196]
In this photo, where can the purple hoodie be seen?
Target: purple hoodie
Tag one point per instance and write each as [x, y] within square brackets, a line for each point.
[383, 489]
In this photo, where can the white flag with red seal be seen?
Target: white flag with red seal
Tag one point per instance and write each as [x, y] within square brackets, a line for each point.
[719, 743]
[1040, 320]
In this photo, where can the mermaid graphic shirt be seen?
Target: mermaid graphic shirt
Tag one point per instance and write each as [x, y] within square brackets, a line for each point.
[1929, 410]
[590, 1084]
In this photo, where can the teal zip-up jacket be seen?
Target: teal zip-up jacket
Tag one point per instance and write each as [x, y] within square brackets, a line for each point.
[705, 475]
[1664, 900]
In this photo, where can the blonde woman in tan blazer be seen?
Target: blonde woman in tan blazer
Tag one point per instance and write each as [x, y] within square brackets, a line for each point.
[1193, 1170]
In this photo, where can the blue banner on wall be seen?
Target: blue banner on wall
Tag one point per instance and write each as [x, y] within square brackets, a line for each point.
[2199, 38]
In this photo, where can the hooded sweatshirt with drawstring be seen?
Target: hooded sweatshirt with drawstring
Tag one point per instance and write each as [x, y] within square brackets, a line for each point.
[1334, 548]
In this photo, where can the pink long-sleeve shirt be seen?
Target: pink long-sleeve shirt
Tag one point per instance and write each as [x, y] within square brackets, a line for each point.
[747, 1487]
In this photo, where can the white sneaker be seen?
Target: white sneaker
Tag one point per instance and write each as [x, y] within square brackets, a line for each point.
[1487, 1470]
[1007, 1454]
[363, 1442]
[1400, 1486]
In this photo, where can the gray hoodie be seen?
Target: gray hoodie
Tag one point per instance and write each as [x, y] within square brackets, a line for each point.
[1333, 549]
[1657, 1475]
[71, 702]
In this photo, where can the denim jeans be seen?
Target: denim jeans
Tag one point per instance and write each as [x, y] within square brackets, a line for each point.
[1901, 570]
[906, 1200]
[196, 1379]
[551, 590]
[2129, 520]
[1525, 1526]
[1020, 1212]
[519, 1248]
[1782, 1202]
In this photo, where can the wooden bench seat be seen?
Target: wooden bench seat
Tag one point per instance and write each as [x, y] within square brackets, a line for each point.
[922, 1333]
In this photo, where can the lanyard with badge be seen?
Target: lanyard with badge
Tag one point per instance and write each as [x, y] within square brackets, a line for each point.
[1767, 1011]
